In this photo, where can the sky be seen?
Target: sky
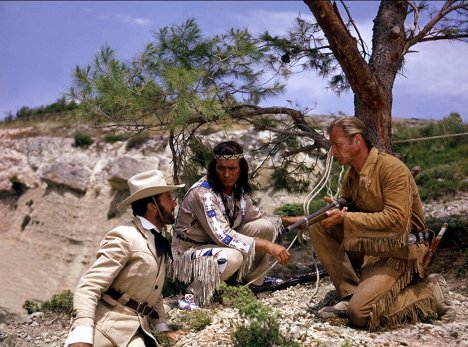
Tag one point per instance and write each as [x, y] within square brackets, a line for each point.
[41, 42]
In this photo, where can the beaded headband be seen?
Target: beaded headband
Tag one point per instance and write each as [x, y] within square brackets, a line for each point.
[229, 156]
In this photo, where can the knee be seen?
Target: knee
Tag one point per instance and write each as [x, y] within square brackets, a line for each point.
[356, 315]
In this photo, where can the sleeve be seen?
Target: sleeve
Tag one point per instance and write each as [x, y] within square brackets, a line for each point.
[162, 320]
[252, 212]
[206, 209]
[386, 229]
[112, 256]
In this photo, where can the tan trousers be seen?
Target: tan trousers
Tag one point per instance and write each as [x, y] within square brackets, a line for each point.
[261, 228]
[381, 296]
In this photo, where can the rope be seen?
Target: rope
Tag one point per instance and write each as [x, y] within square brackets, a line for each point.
[430, 138]
[317, 189]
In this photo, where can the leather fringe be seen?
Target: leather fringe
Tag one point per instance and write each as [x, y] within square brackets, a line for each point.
[381, 305]
[375, 244]
[424, 308]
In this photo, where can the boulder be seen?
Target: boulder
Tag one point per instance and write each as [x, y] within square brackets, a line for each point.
[124, 167]
[66, 174]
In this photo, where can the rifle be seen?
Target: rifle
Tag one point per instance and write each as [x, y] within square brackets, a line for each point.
[320, 214]
[433, 246]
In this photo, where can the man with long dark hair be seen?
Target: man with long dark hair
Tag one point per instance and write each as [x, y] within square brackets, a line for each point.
[219, 231]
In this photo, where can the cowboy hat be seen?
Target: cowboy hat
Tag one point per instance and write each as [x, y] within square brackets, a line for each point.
[147, 184]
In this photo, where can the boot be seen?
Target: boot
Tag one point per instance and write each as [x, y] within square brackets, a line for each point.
[444, 306]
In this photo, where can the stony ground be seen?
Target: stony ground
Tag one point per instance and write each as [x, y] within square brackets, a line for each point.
[297, 306]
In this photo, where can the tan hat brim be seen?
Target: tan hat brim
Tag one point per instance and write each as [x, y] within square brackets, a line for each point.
[146, 192]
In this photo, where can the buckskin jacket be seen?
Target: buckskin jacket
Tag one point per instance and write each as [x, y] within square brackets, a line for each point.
[126, 262]
[203, 219]
[389, 208]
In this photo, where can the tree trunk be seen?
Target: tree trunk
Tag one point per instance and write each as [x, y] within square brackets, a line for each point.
[371, 83]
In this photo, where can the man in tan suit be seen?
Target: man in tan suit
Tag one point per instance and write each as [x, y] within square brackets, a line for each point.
[386, 209]
[120, 294]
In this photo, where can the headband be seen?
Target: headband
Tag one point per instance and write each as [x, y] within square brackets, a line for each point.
[229, 156]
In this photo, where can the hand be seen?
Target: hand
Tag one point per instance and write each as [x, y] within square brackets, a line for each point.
[80, 344]
[334, 217]
[174, 334]
[279, 252]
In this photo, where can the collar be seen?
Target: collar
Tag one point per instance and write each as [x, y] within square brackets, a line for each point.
[147, 224]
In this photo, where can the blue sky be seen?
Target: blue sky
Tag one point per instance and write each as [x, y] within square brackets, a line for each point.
[42, 41]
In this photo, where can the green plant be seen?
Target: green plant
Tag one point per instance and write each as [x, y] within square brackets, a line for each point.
[283, 180]
[82, 138]
[31, 306]
[290, 210]
[60, 302]
[10, 341]
[29, 203]
[262, 328]
[196, 320]
[111, 138]
[136, 141]
[26, 220]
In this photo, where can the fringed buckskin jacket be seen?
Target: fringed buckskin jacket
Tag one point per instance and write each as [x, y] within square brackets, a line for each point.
[203, 219]
[389, 208]
[126, 262]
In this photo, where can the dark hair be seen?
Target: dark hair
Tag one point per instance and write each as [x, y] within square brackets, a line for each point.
[139, 207]
[351, 126]
[242, 184]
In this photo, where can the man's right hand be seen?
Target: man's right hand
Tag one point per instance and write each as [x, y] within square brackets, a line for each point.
[279, 252]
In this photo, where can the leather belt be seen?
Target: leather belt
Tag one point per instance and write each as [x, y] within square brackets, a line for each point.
[140, 308]
[187, 239]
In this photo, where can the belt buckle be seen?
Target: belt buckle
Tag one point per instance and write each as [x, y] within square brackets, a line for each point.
[141, 306]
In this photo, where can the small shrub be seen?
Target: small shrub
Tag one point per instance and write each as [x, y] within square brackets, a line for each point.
[262, 330]
[31, 306]
[61, 302]
[26, 221]
[290, 210]
[111, 138]
[136, 141]
[196, 320]
[29, 203]
[82, 139]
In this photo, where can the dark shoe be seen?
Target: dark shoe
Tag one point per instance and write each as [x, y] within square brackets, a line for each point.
[335, 311]
[446, 312]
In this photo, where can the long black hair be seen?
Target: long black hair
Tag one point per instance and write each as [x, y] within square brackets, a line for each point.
[242, 184]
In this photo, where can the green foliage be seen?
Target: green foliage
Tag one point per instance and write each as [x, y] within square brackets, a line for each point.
[196, 320]
[456, 236]
[290, 210]
[82, 138]
[31, 306]
[61, 105]
[262, 328]
[60, 302]
[443, 160]
[25, 222]
[137, 141]
[111, 138]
